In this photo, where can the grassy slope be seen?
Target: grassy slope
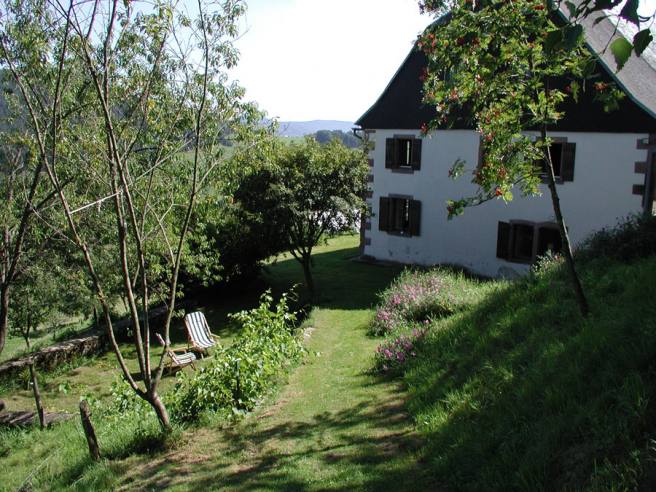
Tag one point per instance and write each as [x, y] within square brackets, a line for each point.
[333, 426]
[516, 392]
[521, 393]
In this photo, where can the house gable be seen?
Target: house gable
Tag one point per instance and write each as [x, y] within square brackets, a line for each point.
[401, 104]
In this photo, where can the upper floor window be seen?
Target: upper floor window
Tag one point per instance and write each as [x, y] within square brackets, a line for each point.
[403, 152]
[563, 155]
[523, 242]
[399, 215]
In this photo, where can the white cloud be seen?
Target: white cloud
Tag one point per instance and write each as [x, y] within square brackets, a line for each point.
[324, 59]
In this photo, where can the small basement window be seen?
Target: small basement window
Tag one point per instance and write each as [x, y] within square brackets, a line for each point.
[523, 242]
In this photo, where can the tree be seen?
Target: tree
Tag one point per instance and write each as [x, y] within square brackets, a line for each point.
[506, 67]
[306, 192]
[23, 195]
[148, 89]
[641, 14]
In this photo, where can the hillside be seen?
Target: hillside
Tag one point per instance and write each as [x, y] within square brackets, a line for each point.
[519, 392]
[301, 128]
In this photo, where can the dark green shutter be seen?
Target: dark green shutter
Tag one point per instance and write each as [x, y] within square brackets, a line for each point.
[390, 154]
[383, 214]
[503, 240]
[415, 155]
[415, 217]
[567, 163]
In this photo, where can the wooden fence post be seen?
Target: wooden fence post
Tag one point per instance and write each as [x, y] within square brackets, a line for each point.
[37, 396]
[94, 450]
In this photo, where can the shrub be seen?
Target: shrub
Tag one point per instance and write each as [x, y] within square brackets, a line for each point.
[394, 353]
[633, 238]
[239, 376]
[417, 296]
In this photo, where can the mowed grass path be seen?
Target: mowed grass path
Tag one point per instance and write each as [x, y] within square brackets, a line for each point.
[332, 426]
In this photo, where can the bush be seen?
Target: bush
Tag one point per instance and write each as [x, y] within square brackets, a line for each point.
[393, 354]
[631, 239]
[416, 296]
[239, 376]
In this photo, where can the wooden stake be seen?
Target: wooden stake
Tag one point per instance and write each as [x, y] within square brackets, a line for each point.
[37, 396]
[85, 415]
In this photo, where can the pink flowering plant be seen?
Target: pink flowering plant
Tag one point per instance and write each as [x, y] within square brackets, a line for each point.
[416, 296]
[395, 352]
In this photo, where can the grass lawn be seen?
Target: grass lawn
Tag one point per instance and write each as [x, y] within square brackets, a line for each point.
[331, 426]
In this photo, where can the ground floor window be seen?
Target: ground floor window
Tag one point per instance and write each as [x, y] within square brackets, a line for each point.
[523, 242]
[399, 215]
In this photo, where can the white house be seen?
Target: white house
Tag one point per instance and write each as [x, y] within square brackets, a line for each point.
[606, 164]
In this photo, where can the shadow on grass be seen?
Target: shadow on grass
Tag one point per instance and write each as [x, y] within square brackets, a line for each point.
[522, 393]
[367, 446]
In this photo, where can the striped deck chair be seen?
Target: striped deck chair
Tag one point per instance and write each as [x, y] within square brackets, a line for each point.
[198, 332]
[178, 358]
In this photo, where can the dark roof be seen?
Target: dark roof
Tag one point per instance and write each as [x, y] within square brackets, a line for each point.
[400, 106]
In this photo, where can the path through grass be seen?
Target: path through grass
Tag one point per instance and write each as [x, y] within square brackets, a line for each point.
[332, 426]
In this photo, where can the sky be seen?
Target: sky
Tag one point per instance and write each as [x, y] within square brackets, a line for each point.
[326, 59]
[323, 59]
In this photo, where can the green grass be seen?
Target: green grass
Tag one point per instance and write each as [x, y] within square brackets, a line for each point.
[520, 392]
[331, 425]
[516, 391]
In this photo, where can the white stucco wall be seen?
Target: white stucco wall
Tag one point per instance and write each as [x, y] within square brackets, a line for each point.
[600, 195]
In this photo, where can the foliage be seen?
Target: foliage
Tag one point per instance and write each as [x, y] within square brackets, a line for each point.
[629, 13]
[239, 376]
[128, 121]
[631, 239]
[393, 354]
[302, 193]
[485, 52]
[348, 139]
[417, 296]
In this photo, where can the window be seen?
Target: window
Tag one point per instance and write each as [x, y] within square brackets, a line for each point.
[403, 153]
[523, 242]
[563, 155]
[399, 215]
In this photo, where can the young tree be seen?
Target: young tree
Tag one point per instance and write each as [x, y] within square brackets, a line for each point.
[22, 193]
[508, 68]
[151, 81]
[306, 192]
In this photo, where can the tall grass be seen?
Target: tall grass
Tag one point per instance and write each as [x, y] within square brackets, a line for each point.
[518, 391]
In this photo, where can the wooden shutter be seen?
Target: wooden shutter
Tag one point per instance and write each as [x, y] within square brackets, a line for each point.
[503, 240]
[390, 154]
[567, 163]
[384, 214]
[415, 218]
[415, 155]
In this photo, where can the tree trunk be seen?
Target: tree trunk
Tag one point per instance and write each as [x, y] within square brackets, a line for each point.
[92, 441]
[564, 235]
[37, 396]
[307, 273]
[161, 411]
[4, 315]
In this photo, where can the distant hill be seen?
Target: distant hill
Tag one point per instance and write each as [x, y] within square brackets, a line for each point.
[301, 128]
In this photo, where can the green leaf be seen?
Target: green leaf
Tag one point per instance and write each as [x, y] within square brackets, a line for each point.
[621, 50]
[641, 40]
[573, 35]
[553, 39]
[630, 12]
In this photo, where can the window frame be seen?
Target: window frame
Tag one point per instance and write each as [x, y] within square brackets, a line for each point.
[536, 228]
[411, 206]
[393, 163]
[560, 178]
